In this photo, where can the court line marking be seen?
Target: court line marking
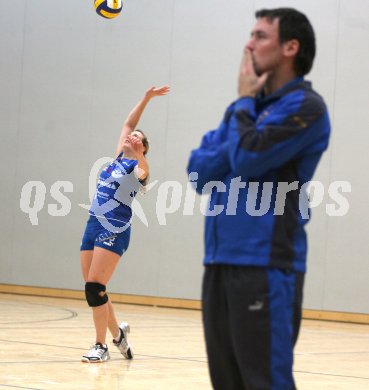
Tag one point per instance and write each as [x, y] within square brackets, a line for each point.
[152, 357]
[72, 313]
[20, 387]
[331, 374]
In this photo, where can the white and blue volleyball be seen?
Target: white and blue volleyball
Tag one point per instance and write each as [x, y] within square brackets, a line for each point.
[108, 9]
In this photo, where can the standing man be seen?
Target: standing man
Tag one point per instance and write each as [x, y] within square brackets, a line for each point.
[255, 166]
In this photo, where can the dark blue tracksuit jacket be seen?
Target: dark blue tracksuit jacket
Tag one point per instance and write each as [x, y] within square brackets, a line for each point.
[261, 145]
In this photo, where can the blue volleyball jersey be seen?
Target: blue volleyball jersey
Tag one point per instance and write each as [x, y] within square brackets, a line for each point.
[260, 144]
[116, 188]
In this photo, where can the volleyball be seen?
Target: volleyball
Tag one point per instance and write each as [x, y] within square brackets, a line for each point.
[108, 9]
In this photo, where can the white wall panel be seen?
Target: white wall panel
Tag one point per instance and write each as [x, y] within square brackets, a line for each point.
[347, 274]
[11, 59]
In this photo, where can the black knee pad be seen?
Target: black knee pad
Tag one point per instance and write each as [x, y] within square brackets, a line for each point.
[95, 294]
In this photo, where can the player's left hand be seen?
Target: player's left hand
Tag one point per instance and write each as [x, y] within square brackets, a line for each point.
[137, 145]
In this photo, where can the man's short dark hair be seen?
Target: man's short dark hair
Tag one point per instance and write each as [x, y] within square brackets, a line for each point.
[294, 25]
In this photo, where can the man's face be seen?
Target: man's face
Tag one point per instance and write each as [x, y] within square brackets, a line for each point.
[266, 50]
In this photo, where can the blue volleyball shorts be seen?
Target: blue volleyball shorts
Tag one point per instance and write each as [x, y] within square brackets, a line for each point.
[114, 240]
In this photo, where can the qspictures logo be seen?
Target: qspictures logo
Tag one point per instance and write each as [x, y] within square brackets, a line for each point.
[174, 197]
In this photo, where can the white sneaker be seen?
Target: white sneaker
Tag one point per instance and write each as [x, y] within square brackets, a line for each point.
[123, 345]
[97, 354]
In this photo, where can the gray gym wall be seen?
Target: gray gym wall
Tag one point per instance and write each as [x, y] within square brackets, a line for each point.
[68, 78]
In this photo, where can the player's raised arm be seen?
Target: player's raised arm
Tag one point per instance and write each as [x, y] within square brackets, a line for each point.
[134, 116]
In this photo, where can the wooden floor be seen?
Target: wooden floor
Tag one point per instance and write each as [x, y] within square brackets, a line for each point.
[42, 340]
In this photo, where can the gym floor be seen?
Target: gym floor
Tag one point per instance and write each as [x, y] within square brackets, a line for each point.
[42, 341]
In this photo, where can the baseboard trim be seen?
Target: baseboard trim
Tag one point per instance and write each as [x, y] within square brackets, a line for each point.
[357, 318]
[119, 298]
[337, 316]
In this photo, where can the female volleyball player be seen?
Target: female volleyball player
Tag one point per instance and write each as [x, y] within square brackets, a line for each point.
[107, 232]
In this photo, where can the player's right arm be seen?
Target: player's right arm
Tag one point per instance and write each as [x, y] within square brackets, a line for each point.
[134, 116]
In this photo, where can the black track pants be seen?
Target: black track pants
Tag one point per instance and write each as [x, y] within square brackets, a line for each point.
[251, 320]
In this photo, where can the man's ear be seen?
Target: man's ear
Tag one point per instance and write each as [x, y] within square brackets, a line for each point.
[291, 48]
